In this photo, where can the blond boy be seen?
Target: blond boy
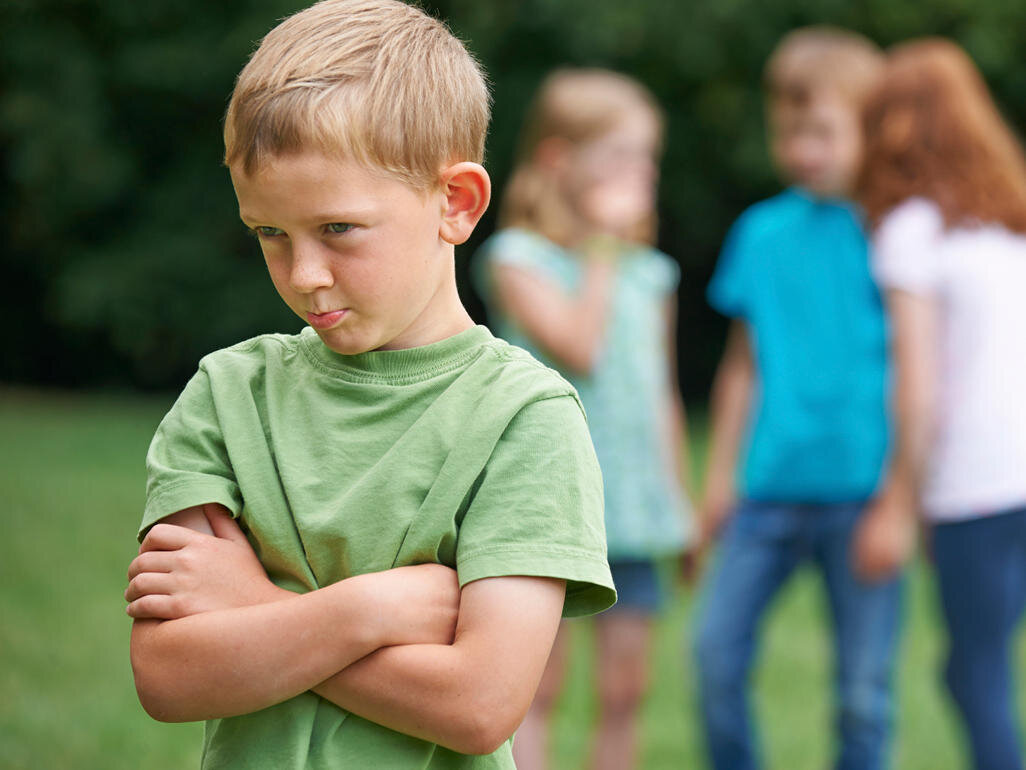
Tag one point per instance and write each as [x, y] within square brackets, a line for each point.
[800, 394]
[358, 540]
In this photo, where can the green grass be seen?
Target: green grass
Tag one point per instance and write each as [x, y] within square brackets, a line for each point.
[71, 483]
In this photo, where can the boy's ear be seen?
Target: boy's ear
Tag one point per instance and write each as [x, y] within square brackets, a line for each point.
[468, 189]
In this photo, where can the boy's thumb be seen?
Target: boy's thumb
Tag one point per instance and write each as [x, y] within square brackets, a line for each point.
[223, 525]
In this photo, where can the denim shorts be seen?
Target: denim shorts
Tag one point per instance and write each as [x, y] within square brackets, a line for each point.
[639, 587]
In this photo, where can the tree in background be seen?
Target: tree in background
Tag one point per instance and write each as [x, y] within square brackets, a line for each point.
[123, 257]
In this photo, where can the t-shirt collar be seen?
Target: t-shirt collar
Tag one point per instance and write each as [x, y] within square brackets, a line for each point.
[406, 365]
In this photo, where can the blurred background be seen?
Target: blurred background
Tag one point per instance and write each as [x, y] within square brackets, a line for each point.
[124, 262]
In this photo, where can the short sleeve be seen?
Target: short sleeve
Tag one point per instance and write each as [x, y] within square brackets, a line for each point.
[516, 248]
[662, 271]
[520, 248]
[537, 510]
[905, 253]
[728, 291]
[187, 463]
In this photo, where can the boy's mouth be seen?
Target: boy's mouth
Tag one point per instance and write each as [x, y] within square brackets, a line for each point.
[326, 320]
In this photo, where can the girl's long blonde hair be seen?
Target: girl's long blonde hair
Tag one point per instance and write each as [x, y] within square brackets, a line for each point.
[933, 130]
[574, 105]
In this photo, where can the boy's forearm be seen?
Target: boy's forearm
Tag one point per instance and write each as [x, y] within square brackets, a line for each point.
[730, 403]
[422, 690]
[459, 695]
[235, 661]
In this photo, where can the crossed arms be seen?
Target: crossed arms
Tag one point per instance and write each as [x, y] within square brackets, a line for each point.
[214, 637]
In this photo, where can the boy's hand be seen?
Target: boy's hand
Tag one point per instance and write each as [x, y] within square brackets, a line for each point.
[717, 507]
[417, 605]
[690, 562]
[885, 537]
[181, 572]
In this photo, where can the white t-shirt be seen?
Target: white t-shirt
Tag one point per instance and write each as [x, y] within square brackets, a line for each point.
[977, 276]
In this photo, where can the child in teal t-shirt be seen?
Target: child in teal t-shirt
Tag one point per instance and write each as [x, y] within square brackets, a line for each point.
[358, 540]
[799, 404]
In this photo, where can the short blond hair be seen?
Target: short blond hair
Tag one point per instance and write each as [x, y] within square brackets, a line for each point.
[813, 59]
[379, 81]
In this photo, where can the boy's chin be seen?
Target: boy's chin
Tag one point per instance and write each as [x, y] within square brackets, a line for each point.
[825, 190]
[344, 345]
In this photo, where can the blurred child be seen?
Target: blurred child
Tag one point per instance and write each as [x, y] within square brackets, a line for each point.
[572, 276]
[945, 184]
[389, 438]
[800, 396]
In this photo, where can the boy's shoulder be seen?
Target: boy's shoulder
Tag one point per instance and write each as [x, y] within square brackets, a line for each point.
[252, 353]
[516, 369]
[249, 359]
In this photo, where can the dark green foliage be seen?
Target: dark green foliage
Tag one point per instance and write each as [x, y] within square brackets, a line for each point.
[123, 257]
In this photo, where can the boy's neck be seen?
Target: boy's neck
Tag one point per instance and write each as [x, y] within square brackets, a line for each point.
[444, 317]
[842, 198]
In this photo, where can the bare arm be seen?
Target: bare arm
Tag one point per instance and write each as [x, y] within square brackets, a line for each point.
[676, 415]
[570, 327]
[886, 535]
[213, 637]
[914, 352]
[472, 695]
[729, 405]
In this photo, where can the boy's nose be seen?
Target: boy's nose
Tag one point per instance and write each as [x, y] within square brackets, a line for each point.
[311, 269]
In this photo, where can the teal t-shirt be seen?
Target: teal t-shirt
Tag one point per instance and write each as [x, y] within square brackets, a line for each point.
[466, 452]
[626, 394]
[796, 269]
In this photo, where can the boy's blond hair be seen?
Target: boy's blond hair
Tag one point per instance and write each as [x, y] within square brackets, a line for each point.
[375, 80]
[810, 60]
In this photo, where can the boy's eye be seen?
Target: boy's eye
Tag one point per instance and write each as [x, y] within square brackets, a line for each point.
[265, 231]
[339, 227]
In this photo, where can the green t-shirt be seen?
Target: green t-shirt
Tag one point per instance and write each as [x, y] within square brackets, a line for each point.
[466, 452]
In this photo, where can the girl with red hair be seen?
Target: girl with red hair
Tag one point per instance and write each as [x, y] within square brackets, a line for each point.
[944, 185]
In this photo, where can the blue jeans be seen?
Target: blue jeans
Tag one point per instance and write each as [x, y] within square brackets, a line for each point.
[761, 547]
[981, 566]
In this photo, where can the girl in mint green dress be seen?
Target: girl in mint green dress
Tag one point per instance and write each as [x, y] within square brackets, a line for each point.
[572, 276]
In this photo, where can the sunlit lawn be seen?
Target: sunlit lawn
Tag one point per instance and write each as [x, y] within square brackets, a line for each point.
[71, 486]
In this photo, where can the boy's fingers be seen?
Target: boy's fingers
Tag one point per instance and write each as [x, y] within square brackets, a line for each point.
[158, 606]
[151, 561]
[147, 584]
[223, 525]
[167, 537]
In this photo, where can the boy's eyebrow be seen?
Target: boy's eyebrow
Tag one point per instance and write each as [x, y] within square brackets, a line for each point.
[348, 215]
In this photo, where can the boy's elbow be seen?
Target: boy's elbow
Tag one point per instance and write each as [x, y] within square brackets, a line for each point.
[487, 722]
[154, 682]
[159, 708]
[156, 699]
[480, 734]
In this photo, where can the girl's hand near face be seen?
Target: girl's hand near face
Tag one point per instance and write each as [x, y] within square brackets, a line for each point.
[616, 206]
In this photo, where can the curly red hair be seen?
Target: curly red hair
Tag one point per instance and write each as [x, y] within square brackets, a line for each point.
[933, 130]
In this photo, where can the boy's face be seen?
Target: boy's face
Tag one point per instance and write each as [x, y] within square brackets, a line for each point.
[356, 254]
[818, 145]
